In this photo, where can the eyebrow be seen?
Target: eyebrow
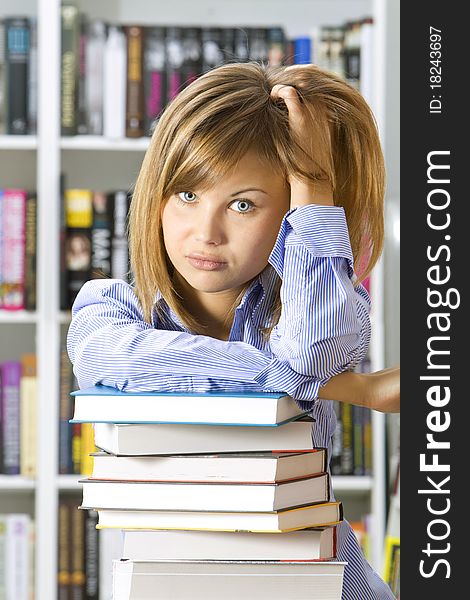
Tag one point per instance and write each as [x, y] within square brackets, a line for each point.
[248, 190]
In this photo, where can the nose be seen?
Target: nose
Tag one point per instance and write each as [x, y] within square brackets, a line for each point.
[208, 227]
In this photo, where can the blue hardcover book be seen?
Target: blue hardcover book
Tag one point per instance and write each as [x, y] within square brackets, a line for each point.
[108, 405]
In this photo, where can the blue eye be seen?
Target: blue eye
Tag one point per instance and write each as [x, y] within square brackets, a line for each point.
[244, 206]
[187, 200]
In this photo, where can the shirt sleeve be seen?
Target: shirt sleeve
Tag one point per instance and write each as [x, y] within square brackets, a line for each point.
[324, 327]
[109, 342]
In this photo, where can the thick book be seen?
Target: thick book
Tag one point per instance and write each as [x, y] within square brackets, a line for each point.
[231, 580]
[108, 405]
[315, 515]
[166, 438]
[253, 497]
[305, 544]
[248, 467]
[17, 37]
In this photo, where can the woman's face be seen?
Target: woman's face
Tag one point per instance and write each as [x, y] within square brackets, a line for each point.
[220, 239]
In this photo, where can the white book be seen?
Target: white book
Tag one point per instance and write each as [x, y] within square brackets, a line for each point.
[94, 79]
[316, 515]
[228, 580]
[251, 497]
[141, 439]
[306, 544]
[17, 556]
[101, 403]
[114, 89]
[110, 549]
[250, 467]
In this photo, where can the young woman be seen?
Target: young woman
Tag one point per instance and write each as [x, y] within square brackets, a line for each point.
[261, 190]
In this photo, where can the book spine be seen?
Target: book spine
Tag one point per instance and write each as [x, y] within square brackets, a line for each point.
[76, 448]
[212, 52]
[367, 442]
[275, 43]
[135, 101]
[82, 83]
[28, 412]
[174, 61]
[33, 77]
[30, 252]
[17, 31]
[240, 45]
[3, 83]
[65, 550]
[17, 556]
[2, 201]
[154, 75]
[65, 413]
[120, 250]
[63, 293]
[337, 440]
[87, 446]
[10, 380]
[92, 557]
[77, 575]
[79, 220]
[302, 50]
[227, 44]
[347, 455]
[70, 33]
[102, 235]
[95, 50]
[258, 45]
[358, 428]
[14, 222]
[115, 77]
[3, 558]
[192, 55]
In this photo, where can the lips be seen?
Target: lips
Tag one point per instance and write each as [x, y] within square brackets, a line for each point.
[205, 262]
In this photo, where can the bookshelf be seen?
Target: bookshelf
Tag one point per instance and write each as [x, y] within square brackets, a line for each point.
[36, 161]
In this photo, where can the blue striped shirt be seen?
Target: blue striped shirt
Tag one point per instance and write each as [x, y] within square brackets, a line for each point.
[324, 329]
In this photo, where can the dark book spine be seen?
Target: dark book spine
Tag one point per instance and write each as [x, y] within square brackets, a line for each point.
[367, 441]
[65, 410]
[102, 235]
[10, 379]
[192, 55]
[135, 102]
[174, 58]
[358, 428]
[82, 117]
[227, 44]
[79, 219]
[154, 75]
[276, 46]
[30, 252]
[240, 45]
[70, 32]
[258, 45]
[77, 575]
[33, 76]
[91, 555]
[212, 50]
[120, 248]
[62, 242]
[337, 440]
[3, 97]
[17, 32]
[64, 550]
[347, 455]
[352, 53]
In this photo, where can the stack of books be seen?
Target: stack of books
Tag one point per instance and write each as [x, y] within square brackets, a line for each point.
[217, 494]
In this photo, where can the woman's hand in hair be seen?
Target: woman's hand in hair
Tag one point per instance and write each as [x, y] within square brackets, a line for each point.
[302, 192]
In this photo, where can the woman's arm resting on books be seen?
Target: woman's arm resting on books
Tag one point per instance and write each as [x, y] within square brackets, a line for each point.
[324, 328]
[110, 343]
[379, 391]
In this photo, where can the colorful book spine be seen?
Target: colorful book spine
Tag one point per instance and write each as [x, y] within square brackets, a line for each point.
[30, 252]
[87, 446]
[79, 220]
[70, 34]
[10, 384]
[17, 33]
[2, 198]
[13, 253]
[135, 102]
[28, 415]
[154, 75]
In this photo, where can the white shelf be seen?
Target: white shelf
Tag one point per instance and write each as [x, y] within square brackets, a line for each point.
[18, 316]
[94, 142]
[16, 483]
[352, 484]
[18, 142]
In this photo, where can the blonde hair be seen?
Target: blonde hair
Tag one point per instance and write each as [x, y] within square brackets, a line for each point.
[211, 124]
